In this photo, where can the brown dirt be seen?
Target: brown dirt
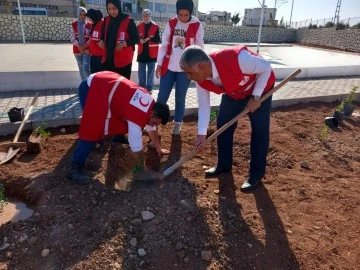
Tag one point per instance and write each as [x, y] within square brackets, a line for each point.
[304, 216]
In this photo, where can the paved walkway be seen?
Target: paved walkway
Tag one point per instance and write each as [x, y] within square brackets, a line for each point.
[61, 107]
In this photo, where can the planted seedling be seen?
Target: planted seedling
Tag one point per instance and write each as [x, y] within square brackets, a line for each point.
[40, 130]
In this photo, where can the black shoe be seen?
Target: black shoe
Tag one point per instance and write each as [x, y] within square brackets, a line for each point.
[77, 175]
[250, 183]
[120, 139]
[215, 171]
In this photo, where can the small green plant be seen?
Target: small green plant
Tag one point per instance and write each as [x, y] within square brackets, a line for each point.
[2, 195]
[340, 107]
[213, 116]
[350, 98]
[40, 130]
[324, 132]
[138, 169]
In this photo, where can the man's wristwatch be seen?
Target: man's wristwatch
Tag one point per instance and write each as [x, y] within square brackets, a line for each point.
[256, 98]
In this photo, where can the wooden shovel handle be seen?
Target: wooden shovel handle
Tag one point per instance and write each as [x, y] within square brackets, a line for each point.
[228, 124]
[25, 118]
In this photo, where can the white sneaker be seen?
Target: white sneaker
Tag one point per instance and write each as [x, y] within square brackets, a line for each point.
[176, 129]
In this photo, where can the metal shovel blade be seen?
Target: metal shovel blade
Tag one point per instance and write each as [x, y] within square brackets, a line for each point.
[7, 156]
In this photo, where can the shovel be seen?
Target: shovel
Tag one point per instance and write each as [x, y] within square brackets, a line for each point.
[9, 150]
[150, 176]
[171, 169]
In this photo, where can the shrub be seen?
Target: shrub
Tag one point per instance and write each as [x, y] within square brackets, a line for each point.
[356, 26]
[329, 24]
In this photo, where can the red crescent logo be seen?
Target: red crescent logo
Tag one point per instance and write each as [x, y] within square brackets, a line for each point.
[143, 104]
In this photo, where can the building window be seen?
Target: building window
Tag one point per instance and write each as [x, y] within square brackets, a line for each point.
[160, 7]
[172, 9]
[149, 5]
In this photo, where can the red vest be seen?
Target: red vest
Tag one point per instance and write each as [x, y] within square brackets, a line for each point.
[123, 57]
[86, 34]
[112, 99]
[189, 40]
[236, 84]
[95, 39]
[153, 47]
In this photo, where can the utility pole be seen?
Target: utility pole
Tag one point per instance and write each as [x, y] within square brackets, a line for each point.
[21, 21]
[260, 26]
[292, 6]
[337, 13]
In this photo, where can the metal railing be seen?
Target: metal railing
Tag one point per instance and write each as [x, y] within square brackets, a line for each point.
[326, 22]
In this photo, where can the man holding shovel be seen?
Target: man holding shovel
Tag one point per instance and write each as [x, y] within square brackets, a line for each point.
[115, 105]
[241, 77]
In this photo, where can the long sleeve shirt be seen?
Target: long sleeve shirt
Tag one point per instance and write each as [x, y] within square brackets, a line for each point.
[249, 64]
[178, 43]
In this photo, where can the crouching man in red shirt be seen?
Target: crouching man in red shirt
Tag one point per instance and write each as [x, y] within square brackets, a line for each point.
[115, 105]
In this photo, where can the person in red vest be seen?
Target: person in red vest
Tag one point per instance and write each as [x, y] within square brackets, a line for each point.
[179, 32]
[241, 77]
[148, 48]
[96, 53]
[79, 36]
[118, 38]
[112, 105]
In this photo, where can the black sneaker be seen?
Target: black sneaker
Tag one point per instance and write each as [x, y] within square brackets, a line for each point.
[120, 139]
[77, 176]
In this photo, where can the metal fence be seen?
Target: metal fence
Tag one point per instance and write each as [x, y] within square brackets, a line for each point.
[348, 23]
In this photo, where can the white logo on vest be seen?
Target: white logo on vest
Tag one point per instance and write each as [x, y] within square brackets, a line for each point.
[244, 81]
[141, 100]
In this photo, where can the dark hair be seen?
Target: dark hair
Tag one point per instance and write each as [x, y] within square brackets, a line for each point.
[162, 111]
[100, 15]
[192, 56]
[116, 3]
[184, 4]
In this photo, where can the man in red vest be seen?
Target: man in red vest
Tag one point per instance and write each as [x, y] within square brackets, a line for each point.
[112, 105]
[241, 77]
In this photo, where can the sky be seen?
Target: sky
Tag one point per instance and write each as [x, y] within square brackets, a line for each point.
[302, 10]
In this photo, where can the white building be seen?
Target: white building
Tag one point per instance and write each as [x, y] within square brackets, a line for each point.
[216, 17]
[161, 9]
[252, 16]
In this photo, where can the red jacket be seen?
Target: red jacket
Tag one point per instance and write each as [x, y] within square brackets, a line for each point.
[153, 47]
[86, 35]
[95, 39]
[123, 57]
[189, 40]
[111, 101]
[235, 83]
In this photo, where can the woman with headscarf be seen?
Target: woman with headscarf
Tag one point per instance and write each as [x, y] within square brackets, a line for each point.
[79, 36]
[148, 48]
[96, 53]
[118, 37]
[180, 32]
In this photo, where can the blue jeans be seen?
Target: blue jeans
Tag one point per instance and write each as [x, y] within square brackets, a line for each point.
[82, 93]
[95, 64]
[83, 148]
[181, 86]
[260, 134]
[83, 61]
[149, 83]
